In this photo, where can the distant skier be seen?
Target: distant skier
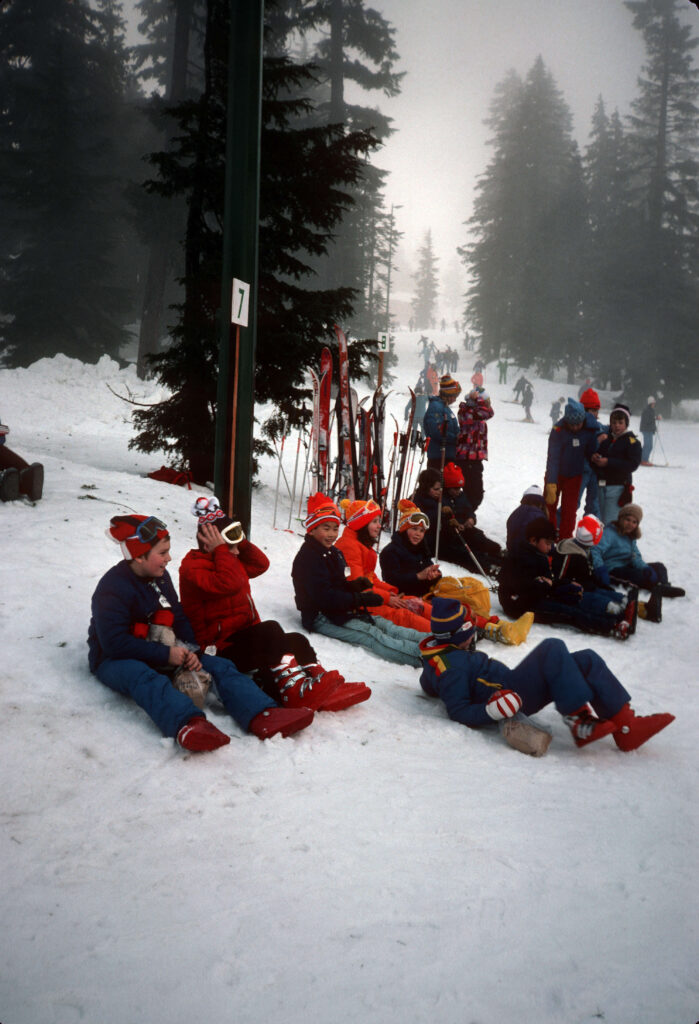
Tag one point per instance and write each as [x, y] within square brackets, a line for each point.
[527, 399]
[555, 412]
[648, 428]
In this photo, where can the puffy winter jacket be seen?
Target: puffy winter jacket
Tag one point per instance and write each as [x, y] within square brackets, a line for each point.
[568, 450]
[121, 600]
[440, 415]
[624, 457]
[616, 550]
[531, 508]
[362, 562]
[215, 590]
[320, 578]
[401, 561]
[522, 586]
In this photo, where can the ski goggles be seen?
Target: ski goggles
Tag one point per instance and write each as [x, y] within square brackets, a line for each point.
[414, 519]
[233, 533]
[147, 531]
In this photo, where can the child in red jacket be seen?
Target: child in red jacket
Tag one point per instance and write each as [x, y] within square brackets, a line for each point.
[215, 591]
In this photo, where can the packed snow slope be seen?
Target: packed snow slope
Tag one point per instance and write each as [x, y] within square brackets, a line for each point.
[385, 865]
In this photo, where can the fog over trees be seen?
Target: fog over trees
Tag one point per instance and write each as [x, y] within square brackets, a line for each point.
[111, 203]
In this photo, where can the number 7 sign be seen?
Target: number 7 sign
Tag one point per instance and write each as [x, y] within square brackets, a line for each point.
[240, 301]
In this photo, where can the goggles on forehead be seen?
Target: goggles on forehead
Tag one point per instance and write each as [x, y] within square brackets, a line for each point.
[416, 519]
[233, 533]
[148, 530]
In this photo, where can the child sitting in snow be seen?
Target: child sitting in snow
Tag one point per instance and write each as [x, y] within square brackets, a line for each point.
[617, 557]
[532, 506]
[527, 584]
[133, 595]
[455, 537]
[407, 565]
[215, 587]
[332, 604]
[479, 691]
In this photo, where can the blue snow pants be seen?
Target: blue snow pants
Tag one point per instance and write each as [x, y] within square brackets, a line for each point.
[170, 710]
[641, 577]
[384, 638]
[590, 484]
[568, 678]
[609, 495]
[589, 614]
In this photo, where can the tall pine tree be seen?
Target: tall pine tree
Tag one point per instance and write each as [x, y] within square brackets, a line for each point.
[424, 303]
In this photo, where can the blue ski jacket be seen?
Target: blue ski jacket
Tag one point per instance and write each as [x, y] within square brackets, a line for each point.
[439, 415]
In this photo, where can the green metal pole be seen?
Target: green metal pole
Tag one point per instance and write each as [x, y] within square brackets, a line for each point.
[235, 394]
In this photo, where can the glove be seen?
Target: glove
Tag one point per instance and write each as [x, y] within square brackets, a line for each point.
[503, 704]
[569, 593]
[368, 599]
[550, 494]
[361, 583]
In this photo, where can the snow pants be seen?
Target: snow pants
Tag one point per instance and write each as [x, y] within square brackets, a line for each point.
[568, 491]
[170, 710]
[588, 614]
[609, 495]
[641, 577]
[569, 679]
[262, 646]
[590, 488]
[383, 638]
[402, 617]
[647, 446]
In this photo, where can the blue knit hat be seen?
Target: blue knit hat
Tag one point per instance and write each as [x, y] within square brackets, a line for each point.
[574, 413]
[448, 621]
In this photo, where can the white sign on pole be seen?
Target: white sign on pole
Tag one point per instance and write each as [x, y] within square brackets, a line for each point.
[383, 341]
[240, 302]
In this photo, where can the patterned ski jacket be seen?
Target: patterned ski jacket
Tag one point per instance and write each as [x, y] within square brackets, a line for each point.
[120, 601]
[472, 443]
[440, 415]
[215, 589]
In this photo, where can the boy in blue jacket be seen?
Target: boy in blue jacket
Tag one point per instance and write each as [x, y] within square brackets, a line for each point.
[571, 442]
[479, 691]
[129, 600]
[440, 423]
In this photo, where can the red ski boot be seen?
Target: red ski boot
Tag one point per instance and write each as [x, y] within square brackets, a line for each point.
[280, 721]
[586, 727]
[342, 694]
[632, 730]
[198, 735]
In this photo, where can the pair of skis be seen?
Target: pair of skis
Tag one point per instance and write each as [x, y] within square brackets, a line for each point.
[346, 482]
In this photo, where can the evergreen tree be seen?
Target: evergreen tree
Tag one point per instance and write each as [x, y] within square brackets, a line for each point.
[663, 138]
[304, 176]
[63, 79]
[530, 226]
[424, 303]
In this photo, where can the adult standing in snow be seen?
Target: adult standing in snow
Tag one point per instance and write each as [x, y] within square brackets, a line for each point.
[216, 597]
[648, 428]
[440, 423]
[479, 691]
[527, 399]
[571, 442]
[472, 443]
[137, 594]
[502, 371]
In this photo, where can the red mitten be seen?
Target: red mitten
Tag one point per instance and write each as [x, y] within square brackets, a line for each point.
[503, 704]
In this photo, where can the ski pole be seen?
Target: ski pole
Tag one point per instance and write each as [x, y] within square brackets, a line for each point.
[293, 486]
[657, 434]
[439, 507]
[276, 489]
[491, 583]
[280, 456]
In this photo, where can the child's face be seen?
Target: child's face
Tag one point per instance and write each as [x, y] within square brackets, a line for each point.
[416, 533]
[154, 564]
[374, 527]
[618, 425]
[326, 532]
[435, 491]
[628, 523]
[543, 545]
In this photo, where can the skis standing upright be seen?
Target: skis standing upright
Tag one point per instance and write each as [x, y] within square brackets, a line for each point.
[403, 456]
[377, 462]
[315, 430]
[348, 487]
[326, 374]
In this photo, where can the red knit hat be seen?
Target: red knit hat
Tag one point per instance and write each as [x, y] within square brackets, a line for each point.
[320, 510]
[410, 515]
[360, 513]
[452, 476]
[590, 399]
[136, 535]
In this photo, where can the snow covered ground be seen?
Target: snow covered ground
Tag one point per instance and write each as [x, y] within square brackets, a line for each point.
[385, 865]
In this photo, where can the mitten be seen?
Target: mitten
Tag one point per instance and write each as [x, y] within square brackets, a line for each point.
[503, 704]
[602, 576]
[368, 599]
[361, 583]
[550, 494]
